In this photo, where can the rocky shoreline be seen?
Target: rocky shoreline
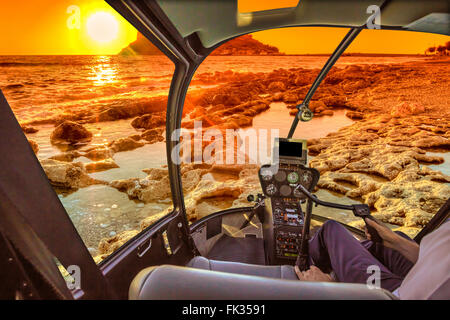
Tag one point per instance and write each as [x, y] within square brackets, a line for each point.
[382, 161]
[401, 112]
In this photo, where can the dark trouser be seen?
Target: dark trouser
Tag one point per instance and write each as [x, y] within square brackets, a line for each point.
[333, 248]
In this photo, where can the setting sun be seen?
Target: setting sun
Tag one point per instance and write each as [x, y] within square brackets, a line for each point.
[66, 27]
[92, 27]
[102, 27]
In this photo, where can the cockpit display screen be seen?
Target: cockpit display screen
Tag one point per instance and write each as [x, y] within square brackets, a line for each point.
[290, 149]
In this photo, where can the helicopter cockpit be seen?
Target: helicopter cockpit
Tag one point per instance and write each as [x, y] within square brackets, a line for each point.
[248, 246]
[272, 239]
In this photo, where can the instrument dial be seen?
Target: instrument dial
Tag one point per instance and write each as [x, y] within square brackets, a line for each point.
[306, 178]
[266, 175]
[292, 177]
[271, 189]
[285, 190]
[280, 176]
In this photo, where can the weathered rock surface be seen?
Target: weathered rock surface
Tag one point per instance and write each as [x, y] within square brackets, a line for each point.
[29, 129]
[153, 135]
[70, 132]
[96, 153]
[125, 144]
[149, 189]
[109, 245]
[226, 113]
[101, 165]
[410, 203]
[276, 86]
[67, 175]
[380, 161]
[149, 121]
[68, 156]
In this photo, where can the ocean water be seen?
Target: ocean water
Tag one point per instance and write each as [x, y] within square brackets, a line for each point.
[40, 87]
[268, 63]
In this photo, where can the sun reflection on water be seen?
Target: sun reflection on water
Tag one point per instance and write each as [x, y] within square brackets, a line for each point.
[103, 72]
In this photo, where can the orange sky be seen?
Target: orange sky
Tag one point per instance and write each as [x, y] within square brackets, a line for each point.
[324, 40]
[40, 27]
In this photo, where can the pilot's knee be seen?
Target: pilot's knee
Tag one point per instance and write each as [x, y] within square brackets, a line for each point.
[332, 225]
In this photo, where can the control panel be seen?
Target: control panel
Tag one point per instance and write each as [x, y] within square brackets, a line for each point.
[287, 244]
[281, 182]
[287, 214]
[288, 220]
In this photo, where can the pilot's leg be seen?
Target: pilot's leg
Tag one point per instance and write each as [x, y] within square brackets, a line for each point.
[333, 248]
[391, 258]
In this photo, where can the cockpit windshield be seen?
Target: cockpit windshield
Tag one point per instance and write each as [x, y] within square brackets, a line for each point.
[379, 133]
[375, 138]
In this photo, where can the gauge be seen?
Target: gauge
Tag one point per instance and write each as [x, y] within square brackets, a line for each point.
[266, 174]
[285, 190]
[292, 177]
[278, 212]
[280, 176]
[271, 189]
[306, 178]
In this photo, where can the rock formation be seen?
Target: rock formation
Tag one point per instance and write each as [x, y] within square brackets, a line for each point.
[142, 46]
[101, 165]
[245, 45]
[29, 129]
[242, 46]
[382, 160]
[125, 144]
[70, 132]
[67, 175]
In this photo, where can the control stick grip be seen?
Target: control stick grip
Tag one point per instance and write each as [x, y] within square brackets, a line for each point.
[302, 262]
[362, 211]
[375, 237]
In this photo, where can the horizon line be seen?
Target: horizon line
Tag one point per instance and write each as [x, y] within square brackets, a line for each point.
[231, 55]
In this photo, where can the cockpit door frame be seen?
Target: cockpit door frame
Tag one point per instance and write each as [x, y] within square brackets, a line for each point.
[27, 189]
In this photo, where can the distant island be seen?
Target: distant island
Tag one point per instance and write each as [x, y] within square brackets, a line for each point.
[242, 46]
[246, 46]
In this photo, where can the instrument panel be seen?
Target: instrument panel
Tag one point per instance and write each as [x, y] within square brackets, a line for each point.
[282, 183]
[288, 218]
